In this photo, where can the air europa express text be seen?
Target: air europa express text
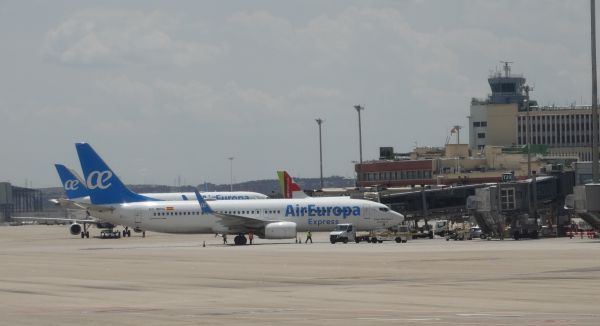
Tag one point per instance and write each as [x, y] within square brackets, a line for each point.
[315, 210]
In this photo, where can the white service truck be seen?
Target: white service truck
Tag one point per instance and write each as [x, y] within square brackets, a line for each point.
[347, 233]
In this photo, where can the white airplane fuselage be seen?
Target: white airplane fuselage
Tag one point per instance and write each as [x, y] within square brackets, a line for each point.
[184, 196]
[314, 214]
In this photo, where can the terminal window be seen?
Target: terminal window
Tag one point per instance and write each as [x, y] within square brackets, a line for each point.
[507, 198]
[481, 135]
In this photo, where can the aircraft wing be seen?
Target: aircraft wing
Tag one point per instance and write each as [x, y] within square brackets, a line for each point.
[241, 223]
[67, 203]
[234, 223]
[54, 219]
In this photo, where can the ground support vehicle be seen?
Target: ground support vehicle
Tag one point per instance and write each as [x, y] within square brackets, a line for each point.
[347, 233]
[476, 232]
[110, 234]
[441, 228]
[399, 234]
[523, 226]
[343, 233]
[422, 234]
[458, 234]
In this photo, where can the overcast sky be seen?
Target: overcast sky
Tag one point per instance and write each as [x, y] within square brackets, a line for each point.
[168, 88]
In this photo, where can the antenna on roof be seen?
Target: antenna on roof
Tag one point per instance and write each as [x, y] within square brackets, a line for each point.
[506, 67]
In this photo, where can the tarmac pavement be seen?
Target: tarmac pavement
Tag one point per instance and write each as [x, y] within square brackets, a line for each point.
[48, 277]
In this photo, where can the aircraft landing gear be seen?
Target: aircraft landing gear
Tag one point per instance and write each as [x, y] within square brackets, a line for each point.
[126, 233]
[143, 234]
[240, 240]
[85, 233]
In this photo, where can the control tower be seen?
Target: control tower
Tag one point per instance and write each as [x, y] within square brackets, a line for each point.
[507, 88]
[493, 120]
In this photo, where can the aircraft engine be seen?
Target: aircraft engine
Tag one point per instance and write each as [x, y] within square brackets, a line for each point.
[280, 230]
[75, 228]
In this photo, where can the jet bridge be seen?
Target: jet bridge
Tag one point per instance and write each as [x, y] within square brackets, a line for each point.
[493, 205]
[585, 204]
[525, 205]
[445, 202]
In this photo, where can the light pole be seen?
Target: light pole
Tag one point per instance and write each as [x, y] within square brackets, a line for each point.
[594, 96]
[528, 124]
[358, 109]
[230, 173]
[320, 122]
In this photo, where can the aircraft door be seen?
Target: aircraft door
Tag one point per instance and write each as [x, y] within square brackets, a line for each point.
[365, 217]
[138, 217]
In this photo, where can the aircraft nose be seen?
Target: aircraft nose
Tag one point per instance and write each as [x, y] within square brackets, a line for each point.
[398, 217]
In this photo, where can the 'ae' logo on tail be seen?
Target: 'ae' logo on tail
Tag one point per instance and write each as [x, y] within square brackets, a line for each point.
[97, 179]
[72, 185]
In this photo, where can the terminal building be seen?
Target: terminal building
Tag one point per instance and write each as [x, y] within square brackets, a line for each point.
[18, 201]
[501, 120]
[453, 165]
[497, 143]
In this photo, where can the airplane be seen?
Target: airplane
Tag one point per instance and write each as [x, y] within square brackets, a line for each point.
[112, 201]
[76, 190]
[77, 193]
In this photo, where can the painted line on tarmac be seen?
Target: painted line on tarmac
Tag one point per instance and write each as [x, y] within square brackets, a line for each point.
[488, 315]
[398, 319]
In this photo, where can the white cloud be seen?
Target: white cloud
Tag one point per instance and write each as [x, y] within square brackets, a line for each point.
[121, 37]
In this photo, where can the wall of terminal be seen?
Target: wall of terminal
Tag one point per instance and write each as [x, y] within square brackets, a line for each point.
[556, 129]
[425, 172]
[395, 172]
[566, 130]
[16, 200]
[502, 129]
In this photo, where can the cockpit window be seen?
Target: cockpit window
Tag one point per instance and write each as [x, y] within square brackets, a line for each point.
[384, 209]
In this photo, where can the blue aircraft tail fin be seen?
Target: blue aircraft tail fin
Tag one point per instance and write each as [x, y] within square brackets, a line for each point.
[203, 204]
[73, 184]
[104, 186]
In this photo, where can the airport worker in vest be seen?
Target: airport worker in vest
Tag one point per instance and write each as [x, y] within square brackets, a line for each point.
[308, 237]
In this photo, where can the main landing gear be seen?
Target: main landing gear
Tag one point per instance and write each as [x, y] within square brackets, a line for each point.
[126, 232]
[84, 232]
[240, 240]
